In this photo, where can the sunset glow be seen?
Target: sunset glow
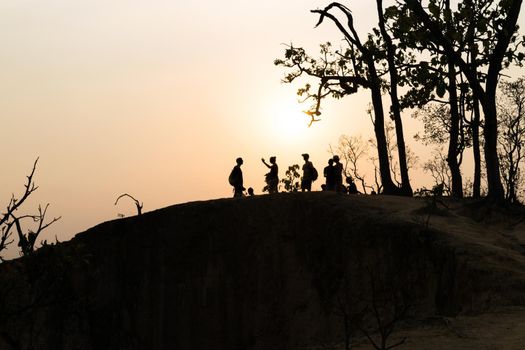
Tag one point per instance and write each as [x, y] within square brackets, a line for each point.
[289, 122]
[158, 99]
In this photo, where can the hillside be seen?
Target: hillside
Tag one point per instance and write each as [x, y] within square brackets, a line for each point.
[273, 272]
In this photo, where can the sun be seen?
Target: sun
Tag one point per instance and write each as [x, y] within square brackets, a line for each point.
[288, 121]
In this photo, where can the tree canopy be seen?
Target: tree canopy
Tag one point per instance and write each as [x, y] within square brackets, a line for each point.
[430, 55]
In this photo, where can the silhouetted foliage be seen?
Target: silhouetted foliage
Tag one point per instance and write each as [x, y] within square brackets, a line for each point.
[479, 38]
[436, 121]
[434, 204]
[291, 178]
[428, 79]
[449, 56]
[343, 72]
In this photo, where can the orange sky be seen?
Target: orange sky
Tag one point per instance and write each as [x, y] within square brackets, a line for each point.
[157, 99]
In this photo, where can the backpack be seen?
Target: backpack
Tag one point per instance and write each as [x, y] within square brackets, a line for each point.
[314, 173]
[233, 179]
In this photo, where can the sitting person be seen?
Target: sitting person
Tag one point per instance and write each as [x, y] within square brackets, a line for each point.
[351, 188]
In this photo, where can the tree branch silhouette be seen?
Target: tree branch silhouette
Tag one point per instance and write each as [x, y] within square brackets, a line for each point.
[10, 220]
[137, 203]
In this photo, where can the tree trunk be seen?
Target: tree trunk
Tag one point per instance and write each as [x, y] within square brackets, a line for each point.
[474, 126]
[486, 96]
[496, 192]
[476, 150]
[452, 157]
[375, 88]
[406, 189]
[511, 182]
[379, 128]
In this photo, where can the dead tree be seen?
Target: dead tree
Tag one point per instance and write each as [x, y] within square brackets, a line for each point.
[6, 224]
[137, 203]
[387, 307]
[375, 311]
[26, 242]
[352, 150]
[10, 220]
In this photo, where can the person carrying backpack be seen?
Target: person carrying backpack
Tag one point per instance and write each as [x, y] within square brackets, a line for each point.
[235, 179]
[309, 173]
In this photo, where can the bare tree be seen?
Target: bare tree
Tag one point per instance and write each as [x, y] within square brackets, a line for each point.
[438, 168]
[137, 203]
[511, 122]
[5, 223]
[374, 311]
[387, 307]
[353, 150]
[10, 220]
[26, 241]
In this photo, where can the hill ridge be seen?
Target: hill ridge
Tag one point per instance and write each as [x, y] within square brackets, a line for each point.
[260, 272]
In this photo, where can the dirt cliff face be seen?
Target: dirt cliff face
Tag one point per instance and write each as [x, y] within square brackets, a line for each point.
[268, 272]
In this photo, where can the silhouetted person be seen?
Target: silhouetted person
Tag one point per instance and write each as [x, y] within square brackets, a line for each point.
[309, 174]
[236, 180]
[272, 178]
[338, 175]
[352, 188]
[329, 174]
[250, 192]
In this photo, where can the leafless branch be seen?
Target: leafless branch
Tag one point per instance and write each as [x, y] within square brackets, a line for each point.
[353, 37]
[137, 203]
[26, 242]
[5, 224]
[14, 203]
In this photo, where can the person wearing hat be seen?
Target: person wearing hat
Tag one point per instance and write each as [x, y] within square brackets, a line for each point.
[338, 174]
[308, 173]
